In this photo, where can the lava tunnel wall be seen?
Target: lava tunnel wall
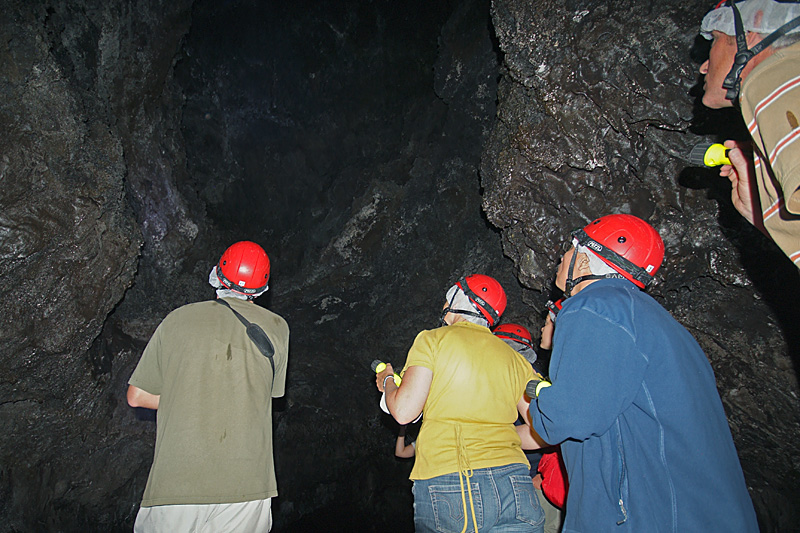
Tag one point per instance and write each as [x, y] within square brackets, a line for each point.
[598, 109]
[378, 151]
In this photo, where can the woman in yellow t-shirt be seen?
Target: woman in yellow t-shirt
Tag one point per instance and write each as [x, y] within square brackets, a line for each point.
[469, 385]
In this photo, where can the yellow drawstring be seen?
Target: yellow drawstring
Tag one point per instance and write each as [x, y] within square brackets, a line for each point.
[465, 470]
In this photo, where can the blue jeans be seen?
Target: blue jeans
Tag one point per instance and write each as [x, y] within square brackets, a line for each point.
[503, 498]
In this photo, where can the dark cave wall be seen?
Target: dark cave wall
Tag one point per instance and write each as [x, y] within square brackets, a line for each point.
[597, 113]
[82, 112]
[382, 149]
[143, 137]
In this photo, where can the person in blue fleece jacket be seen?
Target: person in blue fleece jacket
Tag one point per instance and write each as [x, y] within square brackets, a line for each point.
[632, 398]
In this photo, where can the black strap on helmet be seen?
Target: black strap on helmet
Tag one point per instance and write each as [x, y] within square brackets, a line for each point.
[733, 80]
[571, 282]
[516, 338]
[449, 309]
[472, 296]
[636, 272]
[480, 301]
[230, 285]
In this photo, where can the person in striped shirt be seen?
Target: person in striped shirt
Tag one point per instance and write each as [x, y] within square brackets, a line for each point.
[761, 72]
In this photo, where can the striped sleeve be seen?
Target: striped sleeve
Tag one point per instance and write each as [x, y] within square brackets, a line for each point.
[770, 105]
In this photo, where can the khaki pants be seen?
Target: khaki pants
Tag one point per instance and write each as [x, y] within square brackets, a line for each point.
[244, 517]
[553, 517]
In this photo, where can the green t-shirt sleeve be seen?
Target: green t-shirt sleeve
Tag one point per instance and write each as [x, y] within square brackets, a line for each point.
[147, 375]
[281, 360]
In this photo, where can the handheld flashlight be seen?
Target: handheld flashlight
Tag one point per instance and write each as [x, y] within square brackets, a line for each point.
[709, 155]
[379, 366]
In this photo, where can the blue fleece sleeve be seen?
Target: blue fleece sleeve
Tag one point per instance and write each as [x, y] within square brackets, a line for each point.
[596, 371]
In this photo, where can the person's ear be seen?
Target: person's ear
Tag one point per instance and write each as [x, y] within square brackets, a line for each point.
[583, 265]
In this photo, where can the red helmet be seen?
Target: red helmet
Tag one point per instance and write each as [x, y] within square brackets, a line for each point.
[515, 332]
[244, 268]
[486, 294]
[554, 307]
[627, 244]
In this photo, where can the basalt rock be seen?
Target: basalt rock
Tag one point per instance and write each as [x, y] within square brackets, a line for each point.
[378, 150]
[598, 112]
[141, 139]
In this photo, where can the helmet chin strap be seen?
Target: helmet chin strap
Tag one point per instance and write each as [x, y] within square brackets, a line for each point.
[449, 309]
[571, 282]
[733, 80]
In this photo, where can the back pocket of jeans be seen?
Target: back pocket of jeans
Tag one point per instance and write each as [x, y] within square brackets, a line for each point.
[448, 507]
[529, 510]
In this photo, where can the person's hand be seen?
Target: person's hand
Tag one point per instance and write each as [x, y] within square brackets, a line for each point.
[546, 341]
[741, 173]
[380, 376]
[537, 481]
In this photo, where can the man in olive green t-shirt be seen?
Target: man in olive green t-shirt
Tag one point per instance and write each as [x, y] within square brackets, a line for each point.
[213, 389]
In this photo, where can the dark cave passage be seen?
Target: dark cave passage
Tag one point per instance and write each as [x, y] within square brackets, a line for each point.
[378, 151]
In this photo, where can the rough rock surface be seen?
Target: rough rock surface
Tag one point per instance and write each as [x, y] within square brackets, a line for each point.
[141, 138]
[596, 116]
[68, 251]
